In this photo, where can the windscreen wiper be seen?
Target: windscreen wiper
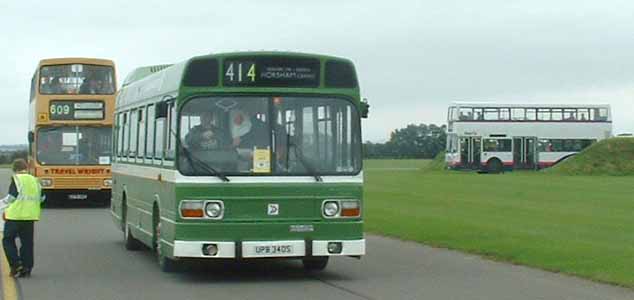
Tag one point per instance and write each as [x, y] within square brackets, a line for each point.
[191, 159]
[300, 156]
[209, 169]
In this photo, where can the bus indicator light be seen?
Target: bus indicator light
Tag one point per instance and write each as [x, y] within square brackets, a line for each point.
[350, 209]
[192, 209]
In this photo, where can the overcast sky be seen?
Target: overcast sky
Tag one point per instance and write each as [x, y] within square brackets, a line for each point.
[413, 57]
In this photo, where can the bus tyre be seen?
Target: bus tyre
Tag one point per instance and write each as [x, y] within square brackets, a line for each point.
[494, 166]
[315, 263]
[166, 264]
[131, 243]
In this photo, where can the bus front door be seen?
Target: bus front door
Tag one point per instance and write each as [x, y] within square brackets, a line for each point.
[470, 152]
[524, 152]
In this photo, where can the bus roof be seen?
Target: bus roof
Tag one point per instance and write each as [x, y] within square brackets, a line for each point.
[151, 81]
[75, 60]
[525, 105]
[142, 72]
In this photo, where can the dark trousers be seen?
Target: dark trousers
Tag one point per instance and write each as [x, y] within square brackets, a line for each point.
[24, 231]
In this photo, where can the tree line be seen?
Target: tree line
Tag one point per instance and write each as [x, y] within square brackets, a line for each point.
[413, 141]
[7, 157]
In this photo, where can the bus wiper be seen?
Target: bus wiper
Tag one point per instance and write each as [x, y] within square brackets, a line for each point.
[206, 167]
[191, 159]
[307, 165]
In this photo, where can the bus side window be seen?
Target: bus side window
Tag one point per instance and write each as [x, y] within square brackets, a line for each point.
[517, 114]
[149, 152]
[134, 128]
[159, 140]
[603, 114]
[126, 134]
[142, 133]
[117, 139]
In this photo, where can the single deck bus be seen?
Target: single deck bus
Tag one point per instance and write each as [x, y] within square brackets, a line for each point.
[241, 156]
[70, 128]
[495, 136]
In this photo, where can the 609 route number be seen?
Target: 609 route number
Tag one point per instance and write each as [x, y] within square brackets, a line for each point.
[60, 109]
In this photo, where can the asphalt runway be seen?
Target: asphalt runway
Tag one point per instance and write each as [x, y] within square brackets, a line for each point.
[80, 255]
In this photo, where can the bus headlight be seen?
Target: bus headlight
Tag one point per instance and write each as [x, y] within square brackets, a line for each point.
[214, 209]
[46, 182]
[331, 209]
[107, 182]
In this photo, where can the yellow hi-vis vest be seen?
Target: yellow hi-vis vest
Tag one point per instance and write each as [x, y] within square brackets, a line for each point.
[27, 205]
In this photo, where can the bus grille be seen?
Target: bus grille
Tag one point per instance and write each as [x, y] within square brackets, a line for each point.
[77, 183]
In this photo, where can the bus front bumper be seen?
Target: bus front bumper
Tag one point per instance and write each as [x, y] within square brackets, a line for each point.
[268, 249]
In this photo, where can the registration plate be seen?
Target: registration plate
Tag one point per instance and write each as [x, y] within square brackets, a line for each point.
[77, 196]
[273, 250]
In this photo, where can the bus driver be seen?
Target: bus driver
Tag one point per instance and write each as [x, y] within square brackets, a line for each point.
[206, 136]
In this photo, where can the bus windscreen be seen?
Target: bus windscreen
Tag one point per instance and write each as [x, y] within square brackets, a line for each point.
[74, 145]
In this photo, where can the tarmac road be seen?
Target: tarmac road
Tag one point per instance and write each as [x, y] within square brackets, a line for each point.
[80, 255]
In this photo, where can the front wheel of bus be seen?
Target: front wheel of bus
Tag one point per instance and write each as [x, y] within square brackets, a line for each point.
[166, 264]
[315, 263]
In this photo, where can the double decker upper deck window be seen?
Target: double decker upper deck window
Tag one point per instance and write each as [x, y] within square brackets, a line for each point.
[77, 79]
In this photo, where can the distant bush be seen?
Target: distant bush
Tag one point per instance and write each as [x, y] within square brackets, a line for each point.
[438, 163]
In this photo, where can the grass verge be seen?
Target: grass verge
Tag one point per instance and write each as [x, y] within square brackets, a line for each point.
[580, 225]
[613, 156]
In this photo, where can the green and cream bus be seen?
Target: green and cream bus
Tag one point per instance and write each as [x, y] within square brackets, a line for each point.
[241, 156]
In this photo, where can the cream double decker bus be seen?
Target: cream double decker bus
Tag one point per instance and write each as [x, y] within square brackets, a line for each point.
[71, 106]
[497, 136]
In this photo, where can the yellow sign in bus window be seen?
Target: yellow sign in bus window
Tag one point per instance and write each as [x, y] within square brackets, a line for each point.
[261, 161]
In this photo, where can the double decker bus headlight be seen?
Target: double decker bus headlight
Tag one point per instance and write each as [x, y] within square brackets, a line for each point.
[214, 209]
[192, 209]
[46, 182]
[107, 182]
[331, 209]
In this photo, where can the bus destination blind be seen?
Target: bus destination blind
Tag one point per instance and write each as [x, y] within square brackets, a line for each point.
[271, 72]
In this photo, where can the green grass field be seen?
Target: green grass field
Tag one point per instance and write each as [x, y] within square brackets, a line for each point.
[579, 225]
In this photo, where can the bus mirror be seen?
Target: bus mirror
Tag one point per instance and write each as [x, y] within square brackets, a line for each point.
[161, 110]
[365, 108]
[31, 137]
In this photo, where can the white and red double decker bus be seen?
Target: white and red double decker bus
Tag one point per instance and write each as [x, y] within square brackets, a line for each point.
[496, 136]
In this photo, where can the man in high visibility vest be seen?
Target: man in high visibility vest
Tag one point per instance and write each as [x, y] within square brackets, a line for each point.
[24, 202]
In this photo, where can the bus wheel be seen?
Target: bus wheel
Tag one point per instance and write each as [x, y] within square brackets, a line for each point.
[131, 243]
[315, 263]
[494, 166]
[166, 264]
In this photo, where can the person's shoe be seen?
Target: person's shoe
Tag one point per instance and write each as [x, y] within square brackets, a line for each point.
[16, 271]
[24, 273]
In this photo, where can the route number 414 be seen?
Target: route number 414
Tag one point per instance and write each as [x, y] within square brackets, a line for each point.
[236, 71]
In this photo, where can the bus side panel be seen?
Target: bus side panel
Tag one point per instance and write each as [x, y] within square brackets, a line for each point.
[142, 194]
